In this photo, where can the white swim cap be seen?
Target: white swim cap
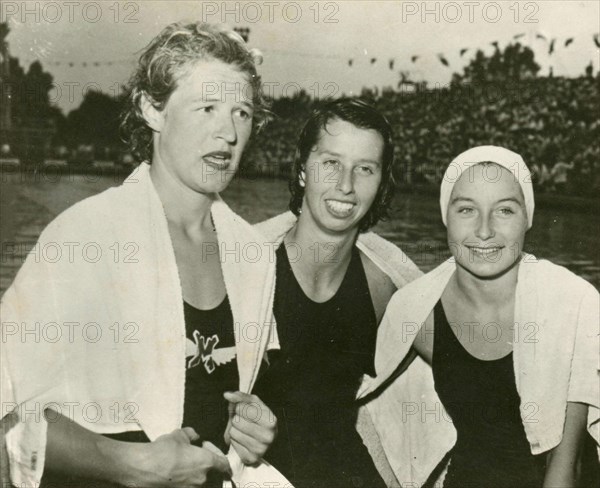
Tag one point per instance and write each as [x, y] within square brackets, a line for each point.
[512, 161]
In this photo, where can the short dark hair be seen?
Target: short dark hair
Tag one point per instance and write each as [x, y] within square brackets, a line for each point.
[361, 115]
[173, 51]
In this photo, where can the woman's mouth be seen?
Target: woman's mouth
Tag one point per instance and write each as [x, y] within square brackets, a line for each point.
[485, 251]
[218, 159]
[339, 208]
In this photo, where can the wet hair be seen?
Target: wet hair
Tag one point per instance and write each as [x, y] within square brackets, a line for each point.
[363, 116]
[168, 57]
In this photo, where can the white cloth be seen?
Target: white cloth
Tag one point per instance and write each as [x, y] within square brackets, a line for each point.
[555, 352]
[387, 256]
[509, 160]
[413, 388]
[117, 301]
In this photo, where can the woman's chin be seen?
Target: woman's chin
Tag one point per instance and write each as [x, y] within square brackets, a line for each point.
[487, 271]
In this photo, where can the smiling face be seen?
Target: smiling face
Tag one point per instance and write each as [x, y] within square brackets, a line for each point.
[201, 133]
[342, 176]
[486, 221]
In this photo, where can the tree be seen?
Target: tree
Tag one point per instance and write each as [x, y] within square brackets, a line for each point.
[29, 119]
[30, 93]
[95, 121]
[515, 63]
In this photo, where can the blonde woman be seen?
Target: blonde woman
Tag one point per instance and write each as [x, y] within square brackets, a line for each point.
[167, 357]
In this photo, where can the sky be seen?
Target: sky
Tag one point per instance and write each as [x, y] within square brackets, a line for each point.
[305, 44]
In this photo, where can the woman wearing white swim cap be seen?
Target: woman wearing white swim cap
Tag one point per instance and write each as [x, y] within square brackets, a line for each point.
[512, 340]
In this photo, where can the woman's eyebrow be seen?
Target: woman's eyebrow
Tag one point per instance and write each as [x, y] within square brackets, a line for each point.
[461, 199]
[467, 199]
[510, 199]
[368, 161]
[247, 104]
[328, 152]
[209, 99]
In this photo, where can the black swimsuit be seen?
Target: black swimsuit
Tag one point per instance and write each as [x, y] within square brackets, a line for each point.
[211, 370]
[311, 383]
[481, 397]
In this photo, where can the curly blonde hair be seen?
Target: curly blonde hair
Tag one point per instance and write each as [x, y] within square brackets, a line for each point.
[168, 56]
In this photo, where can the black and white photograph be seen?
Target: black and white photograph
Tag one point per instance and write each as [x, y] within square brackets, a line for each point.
[300, 244]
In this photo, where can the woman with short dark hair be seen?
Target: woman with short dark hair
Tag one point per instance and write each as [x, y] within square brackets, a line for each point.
[333, 281]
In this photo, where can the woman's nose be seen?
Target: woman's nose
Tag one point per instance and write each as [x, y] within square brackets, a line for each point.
[345, 181]
[485, 228]
[226, 129]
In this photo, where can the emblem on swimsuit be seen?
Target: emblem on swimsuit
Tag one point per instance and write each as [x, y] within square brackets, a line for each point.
[203, 350]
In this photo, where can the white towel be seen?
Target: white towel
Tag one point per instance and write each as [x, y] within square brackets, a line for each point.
[387, 256]
[119, 293]
[556, 343]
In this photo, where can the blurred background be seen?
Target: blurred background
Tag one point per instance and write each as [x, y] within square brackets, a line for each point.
[447, 75]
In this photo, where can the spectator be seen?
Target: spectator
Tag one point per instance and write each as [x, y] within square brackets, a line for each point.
[560, 175]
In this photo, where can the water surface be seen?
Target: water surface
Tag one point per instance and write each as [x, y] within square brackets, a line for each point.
[564, 235]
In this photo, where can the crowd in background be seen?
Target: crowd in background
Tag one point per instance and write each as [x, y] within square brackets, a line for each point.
[499, 98]
[554, 123]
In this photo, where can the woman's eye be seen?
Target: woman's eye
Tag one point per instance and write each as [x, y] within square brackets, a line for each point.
[367, 170]
[465, 210]
[243, 114]
[330, 163]
[506, 211]
[208, 109]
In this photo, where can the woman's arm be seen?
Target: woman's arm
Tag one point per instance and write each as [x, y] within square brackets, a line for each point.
[170, 460]
[563, 463]
[423, 343]
[7, 423]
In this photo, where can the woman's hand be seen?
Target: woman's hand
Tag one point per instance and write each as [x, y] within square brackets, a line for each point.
[252, 426]
[172, 461]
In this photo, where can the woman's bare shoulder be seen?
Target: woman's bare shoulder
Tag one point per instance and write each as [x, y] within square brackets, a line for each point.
[381, 286]
[423, 342]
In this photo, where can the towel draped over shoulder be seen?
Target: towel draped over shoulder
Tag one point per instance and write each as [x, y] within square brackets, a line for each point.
[555, 353]
[99, 334]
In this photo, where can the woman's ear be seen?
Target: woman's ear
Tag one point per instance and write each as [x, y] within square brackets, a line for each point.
[302, 178]
[154, 117]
